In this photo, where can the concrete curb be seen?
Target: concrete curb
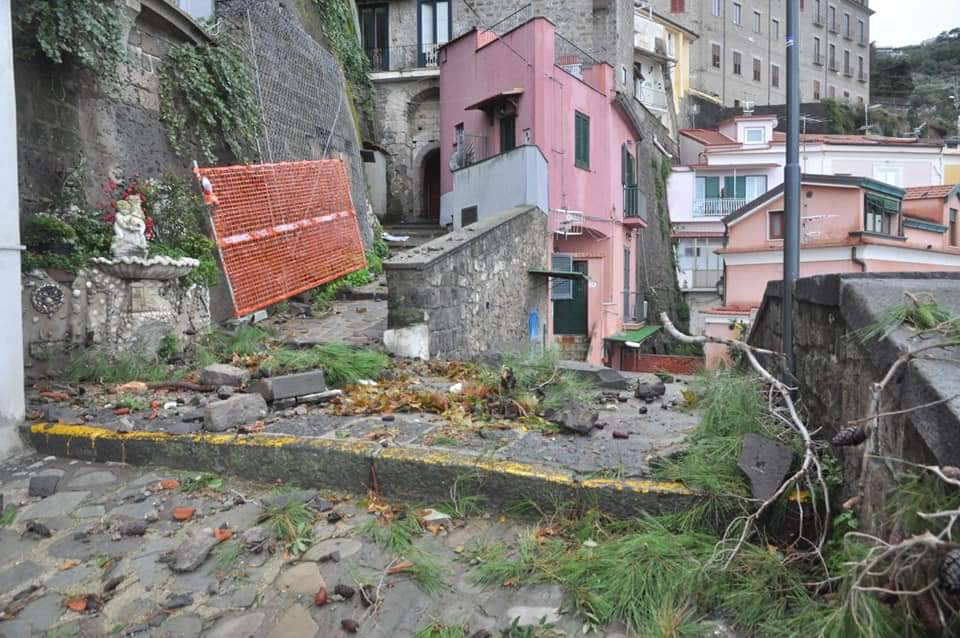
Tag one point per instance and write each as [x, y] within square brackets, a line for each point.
[417, 474]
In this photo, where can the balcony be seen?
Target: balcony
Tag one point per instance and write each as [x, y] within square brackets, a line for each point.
[818, 58]
[403, 57]
[699, 279]
[470, 149]
[634, 204]
[717, 206]
[833, 66]
[634, 307]
[835, 27]
[862, 41]
[848, 34]
[862, 77]
[848, 71]
[818, 20]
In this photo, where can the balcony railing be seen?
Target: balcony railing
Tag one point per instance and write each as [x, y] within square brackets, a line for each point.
[862, 77]
[634, 307]
[716, 206]
[818, 58]
[700, 278]
[848, 34]
[634, 203]
[401, 57]
[862, 41]
[570, 57]
[834, 66]
[818, 20]
[848, 71]
[835, 27]
[470, 150]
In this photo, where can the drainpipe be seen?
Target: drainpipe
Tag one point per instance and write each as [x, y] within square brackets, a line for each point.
[11, 316]
[791, 182]
[857, 260]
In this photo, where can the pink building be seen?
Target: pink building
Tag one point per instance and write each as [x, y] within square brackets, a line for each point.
[848, 224]
[528, 118]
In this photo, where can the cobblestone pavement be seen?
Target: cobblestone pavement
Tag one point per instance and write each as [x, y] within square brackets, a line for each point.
[105, 537]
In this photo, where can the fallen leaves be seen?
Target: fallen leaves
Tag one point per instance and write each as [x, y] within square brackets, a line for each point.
[321, 598]
[132, 387]
[400, 567]
[55, 395]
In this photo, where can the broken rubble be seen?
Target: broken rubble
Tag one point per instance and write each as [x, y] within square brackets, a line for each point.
[650, 391]
[575, 417]
[290, 386]
[220, 374]
[44, 485]
[600, 376]
[191, 554]
[242, 409]
[766, 463]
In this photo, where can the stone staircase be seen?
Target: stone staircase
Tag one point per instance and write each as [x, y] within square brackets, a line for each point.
[419, 233]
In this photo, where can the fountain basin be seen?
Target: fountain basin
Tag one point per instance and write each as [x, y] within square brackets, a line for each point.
[159, 268]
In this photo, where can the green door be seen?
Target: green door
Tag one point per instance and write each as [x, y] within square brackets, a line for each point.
[570, 315]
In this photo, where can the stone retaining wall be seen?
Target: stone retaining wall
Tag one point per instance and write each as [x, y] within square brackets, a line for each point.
[472, 287]
[835, 371]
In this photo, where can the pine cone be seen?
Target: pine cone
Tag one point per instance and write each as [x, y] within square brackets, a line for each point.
[853, 435]
[950, 572]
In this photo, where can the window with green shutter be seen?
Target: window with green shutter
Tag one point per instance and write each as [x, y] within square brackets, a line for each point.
[581, 136]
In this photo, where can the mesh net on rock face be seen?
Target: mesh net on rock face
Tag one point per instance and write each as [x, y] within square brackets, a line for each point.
[283, 229]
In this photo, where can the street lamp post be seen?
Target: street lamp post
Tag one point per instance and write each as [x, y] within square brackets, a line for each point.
[791, 179]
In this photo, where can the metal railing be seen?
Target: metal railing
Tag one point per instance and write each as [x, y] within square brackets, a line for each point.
[634, 203]
[634, 307]
[570, 57]
[512, 21]
[403, 56]
[703, 279]
[716, 206]
[470, 150]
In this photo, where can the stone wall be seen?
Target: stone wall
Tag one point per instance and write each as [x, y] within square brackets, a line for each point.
[67, 119]
[472, 288]
[835, 371]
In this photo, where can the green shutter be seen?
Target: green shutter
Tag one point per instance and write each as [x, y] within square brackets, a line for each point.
[712, 187]
[581, 140]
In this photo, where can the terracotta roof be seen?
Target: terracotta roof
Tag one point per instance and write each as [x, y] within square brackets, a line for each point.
[930, 192]
[708, 137]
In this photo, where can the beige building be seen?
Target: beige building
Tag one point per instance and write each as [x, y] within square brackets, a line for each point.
[740, 55]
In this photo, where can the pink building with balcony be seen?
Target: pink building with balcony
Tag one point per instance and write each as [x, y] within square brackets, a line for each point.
[848, 224]
[528, 118]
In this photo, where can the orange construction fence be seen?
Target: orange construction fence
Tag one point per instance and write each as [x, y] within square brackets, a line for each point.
[282, 228]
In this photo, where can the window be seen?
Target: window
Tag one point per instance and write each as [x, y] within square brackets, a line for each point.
[581, 137]
[747, 187]
[435, 26]
[716, 8]
[775, 29]
[860, 100]
[816, 90]
[628, 174]
[862, 31]
[508, 133]
[881, 215]
[374, 21]
[775, 224]
[860, 73]
[833, 57]
[715, 53]
[676, 6]
[757, 62]
[833, 17]
[954, 235]
[737, 13]
[846, 25]
[458, 136]
[887, 174]
[197, 8]
[757, 18]
[847, 68]
[468, 216]
[737, 63]
[775, 76]
[832, 92]
[561, 289]
[755, 135]
[817, 56]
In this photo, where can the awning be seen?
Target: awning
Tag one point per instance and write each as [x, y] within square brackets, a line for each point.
[557, 274]
[635, 336]
[490, 103]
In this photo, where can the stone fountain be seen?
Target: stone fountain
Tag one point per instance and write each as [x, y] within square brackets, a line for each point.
[128, 302]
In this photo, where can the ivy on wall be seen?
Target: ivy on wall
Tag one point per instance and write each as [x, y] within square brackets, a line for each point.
[339, 28]
[89, 31]
[207, 100]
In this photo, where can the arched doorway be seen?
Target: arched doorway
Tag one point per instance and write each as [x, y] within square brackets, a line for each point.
[431, 185]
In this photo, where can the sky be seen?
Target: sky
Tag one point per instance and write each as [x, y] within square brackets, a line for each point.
[895, 25]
